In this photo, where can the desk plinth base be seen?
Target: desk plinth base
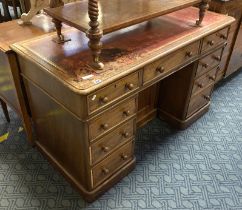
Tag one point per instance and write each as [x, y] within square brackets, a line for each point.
[94, 194]
[183, 124]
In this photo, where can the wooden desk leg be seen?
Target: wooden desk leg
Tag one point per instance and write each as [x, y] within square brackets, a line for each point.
[94, 34]
[5, 110]
[203, 7]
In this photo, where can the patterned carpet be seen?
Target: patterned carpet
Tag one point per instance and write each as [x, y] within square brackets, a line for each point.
[199, 168]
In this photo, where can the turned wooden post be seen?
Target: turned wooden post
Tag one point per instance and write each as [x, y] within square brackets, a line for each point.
[94, 34]
[203, 7]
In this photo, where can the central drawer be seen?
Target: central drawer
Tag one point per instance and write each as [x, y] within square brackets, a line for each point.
[111, 141]
[113, 163]
[163, 66]
[111, 118]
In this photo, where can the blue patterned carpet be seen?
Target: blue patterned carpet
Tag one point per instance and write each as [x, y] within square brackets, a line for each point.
[199, 168]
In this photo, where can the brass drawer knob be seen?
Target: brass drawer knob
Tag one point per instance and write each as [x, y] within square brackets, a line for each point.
[213, 78]
[130, 86]
[217, 58]
[200, 85]
[160, 69]
[205, 65]
[124, 157]
[105, 148]
[211, 42]
[105, 170]
[127, 113]
[105, 126]
[125, 134]
[189, 54]
[104, 100]
[208, 98]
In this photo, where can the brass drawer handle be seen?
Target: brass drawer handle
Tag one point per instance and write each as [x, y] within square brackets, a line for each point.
[213, 78]
[208, 98]
[160, 69]
[105, 148]
[205, 65]
[105, 126]
[125, 134]
[127, 113]
[124, 157]
[104, 100]
[211, 42]
[105, 170]
[217, 58]
[200, 85]
[130, 86]
[189, 54]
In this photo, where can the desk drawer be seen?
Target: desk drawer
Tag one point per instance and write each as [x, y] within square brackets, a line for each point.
[162, 66]
[199, 100]
[204, 81]
[114, 91]
[113, 163]
[112, 118]
[113, 140]
[210, 61]
[215, 39]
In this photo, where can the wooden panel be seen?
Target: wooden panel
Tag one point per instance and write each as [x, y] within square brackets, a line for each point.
[204, 81]
[199, 101]
[215, 39]
[158, 69]
[111, 118]
[114, 91]
[111, 141]
[208, 62]
[113, 163]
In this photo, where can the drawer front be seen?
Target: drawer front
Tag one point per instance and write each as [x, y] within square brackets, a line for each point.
[209, 62]
[112, 118]
[215, 39]
[113, 163]
[204, 81]
[111, 141]
[116, 90]
[200, 100]
[162, 66]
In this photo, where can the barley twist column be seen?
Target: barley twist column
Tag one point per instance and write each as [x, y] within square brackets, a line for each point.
[203, 7]
[94, 34]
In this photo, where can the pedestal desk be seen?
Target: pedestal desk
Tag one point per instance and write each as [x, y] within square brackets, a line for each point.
[10, 83]
[86, 120]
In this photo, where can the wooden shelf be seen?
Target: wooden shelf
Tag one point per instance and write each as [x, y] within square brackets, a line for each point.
[116, 14]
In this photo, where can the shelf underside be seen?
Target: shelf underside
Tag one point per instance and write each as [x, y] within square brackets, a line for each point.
[116, 14]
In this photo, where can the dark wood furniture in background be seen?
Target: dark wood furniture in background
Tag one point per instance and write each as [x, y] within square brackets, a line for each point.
[114, 16]
[232, 58]
[10, 85]
[22, 5]
[86, 120]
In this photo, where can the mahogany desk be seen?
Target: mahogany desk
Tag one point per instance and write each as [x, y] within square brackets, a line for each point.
[86, 120]
[10, 83]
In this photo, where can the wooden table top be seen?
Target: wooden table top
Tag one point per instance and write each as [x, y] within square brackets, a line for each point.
[11, 32]
[123, 51]
[116, 14]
